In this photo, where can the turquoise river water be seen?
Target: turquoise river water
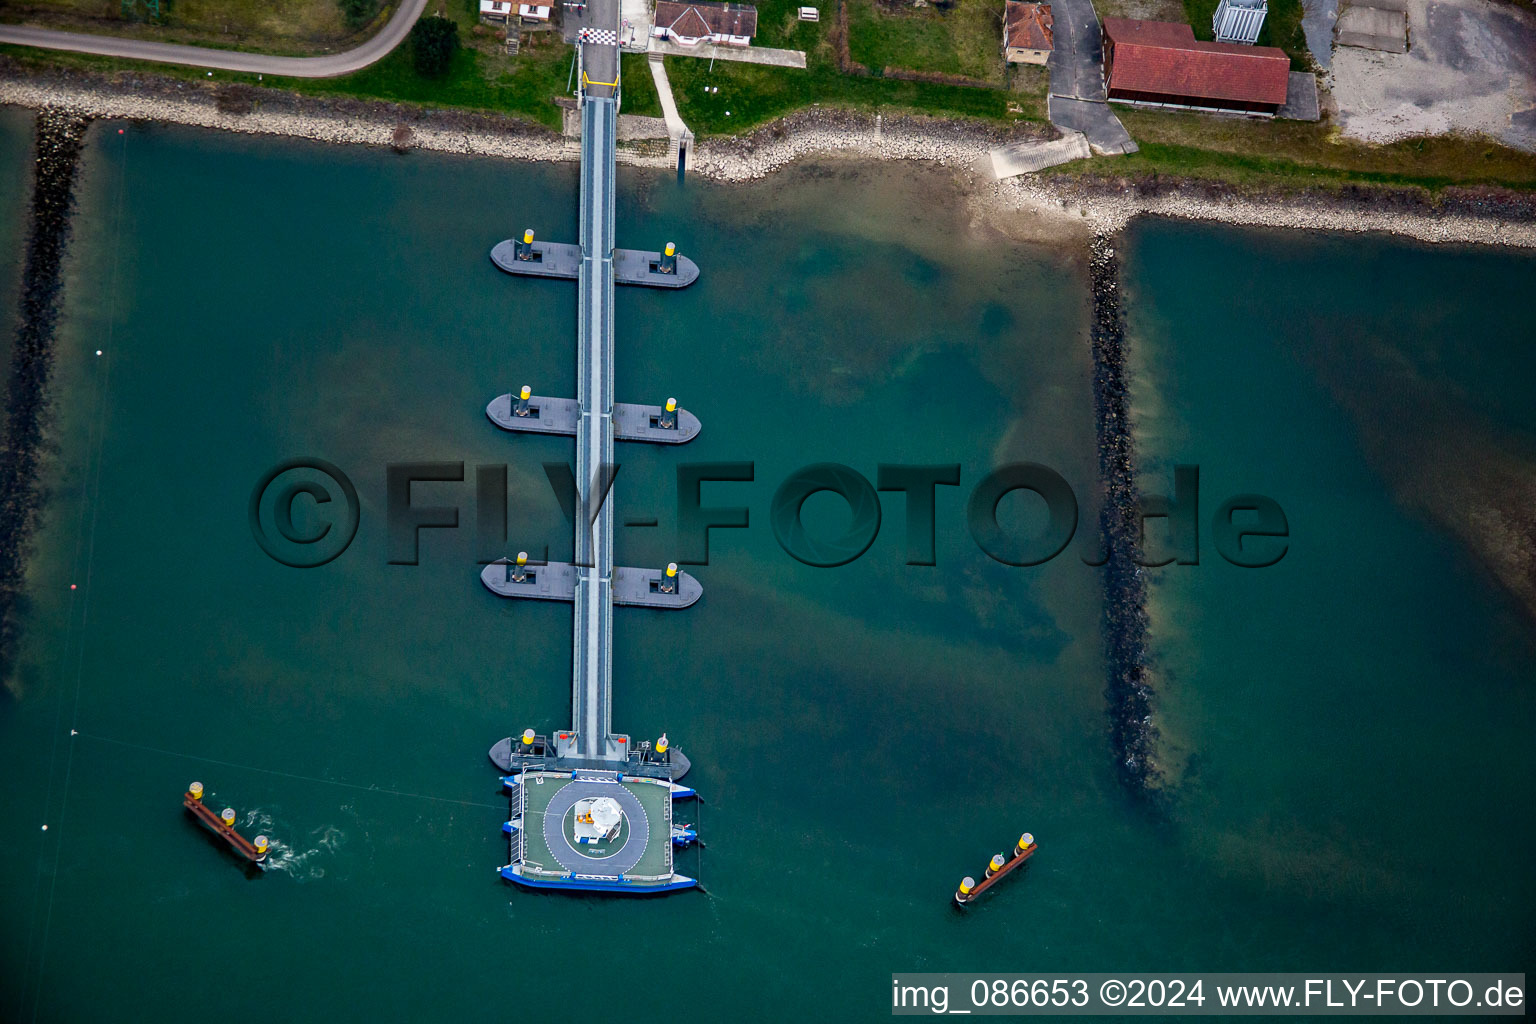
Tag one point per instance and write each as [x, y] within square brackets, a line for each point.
[1347, 732]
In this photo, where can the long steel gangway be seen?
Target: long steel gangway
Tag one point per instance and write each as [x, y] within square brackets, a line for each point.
[593, 418]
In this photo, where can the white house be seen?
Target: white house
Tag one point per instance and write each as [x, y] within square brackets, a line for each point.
[689, 24]
[497, 11]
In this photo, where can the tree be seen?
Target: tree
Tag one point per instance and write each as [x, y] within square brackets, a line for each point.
[434, 41]
[358, 12]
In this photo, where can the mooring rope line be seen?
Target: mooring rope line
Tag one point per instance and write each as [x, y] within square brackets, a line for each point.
[58, 723]
[286, 775]
[96, 443]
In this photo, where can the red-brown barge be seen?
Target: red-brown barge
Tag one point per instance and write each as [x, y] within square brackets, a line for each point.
[223, 825]
[998, 867]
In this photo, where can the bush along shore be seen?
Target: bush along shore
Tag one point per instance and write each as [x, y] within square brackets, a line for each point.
[1128, 690]
[1094, 201]
[58, 139]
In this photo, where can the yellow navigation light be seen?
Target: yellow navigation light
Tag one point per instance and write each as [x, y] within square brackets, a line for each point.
[661, 744]
[671, 405]
[671, 569]
[527, 240]
[967, 884]
[671, 249]
[196, 789]
[526, 393]
[227, 815]
[527, 737]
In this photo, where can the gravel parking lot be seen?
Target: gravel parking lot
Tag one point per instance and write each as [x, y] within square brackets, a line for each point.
[1470, 67]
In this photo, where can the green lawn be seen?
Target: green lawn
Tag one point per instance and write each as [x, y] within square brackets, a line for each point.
[482, 77]
[525, 84]
[291, 27]
[751, 94]
[639, 90]
[1296, 153]
[963, 40]
[779, 25]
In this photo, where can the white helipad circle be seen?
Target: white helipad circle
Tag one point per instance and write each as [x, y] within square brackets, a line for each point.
[621, 861]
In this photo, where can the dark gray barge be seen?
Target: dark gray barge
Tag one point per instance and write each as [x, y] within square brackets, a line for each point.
[562, 260]
[556, 581]
[562, 417]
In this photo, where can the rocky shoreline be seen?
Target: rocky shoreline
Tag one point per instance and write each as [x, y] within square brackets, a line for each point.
[60, 136]
[1086, 203]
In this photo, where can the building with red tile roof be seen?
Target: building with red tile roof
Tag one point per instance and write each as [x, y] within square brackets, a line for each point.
[1161, 63]
[689, 24]
[1027, 32]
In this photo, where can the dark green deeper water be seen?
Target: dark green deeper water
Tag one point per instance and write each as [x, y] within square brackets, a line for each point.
[1350, 728]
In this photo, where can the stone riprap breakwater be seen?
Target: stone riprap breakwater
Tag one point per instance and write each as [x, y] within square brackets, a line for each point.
[1128, 690]
[1106, 203]
[827, 132]
[252, 110]
[59, 136]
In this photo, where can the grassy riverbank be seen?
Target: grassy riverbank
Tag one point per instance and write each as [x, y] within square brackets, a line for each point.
[1302, 154]
[298, 28]
[728, 98]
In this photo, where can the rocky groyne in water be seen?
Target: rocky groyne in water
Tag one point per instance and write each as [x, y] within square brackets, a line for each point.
[59, 137]
[1128, 689]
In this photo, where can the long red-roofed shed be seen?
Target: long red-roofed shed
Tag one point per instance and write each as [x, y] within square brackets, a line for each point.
[1161, 62]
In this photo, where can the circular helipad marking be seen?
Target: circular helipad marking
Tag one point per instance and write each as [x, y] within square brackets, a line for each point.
[618, 863]
[599, 851]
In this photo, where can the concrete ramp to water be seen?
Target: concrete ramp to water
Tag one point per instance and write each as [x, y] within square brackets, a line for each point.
[1028, 157]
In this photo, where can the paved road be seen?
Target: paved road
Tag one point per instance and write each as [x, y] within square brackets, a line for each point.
[328, 66]
[1077, 60]
[596, 30]
[1077, 97]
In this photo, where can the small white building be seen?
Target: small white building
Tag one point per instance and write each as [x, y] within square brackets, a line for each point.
[532, 13]
[810, 14]
[689, 24]
[1239, 21]
[497, 12]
